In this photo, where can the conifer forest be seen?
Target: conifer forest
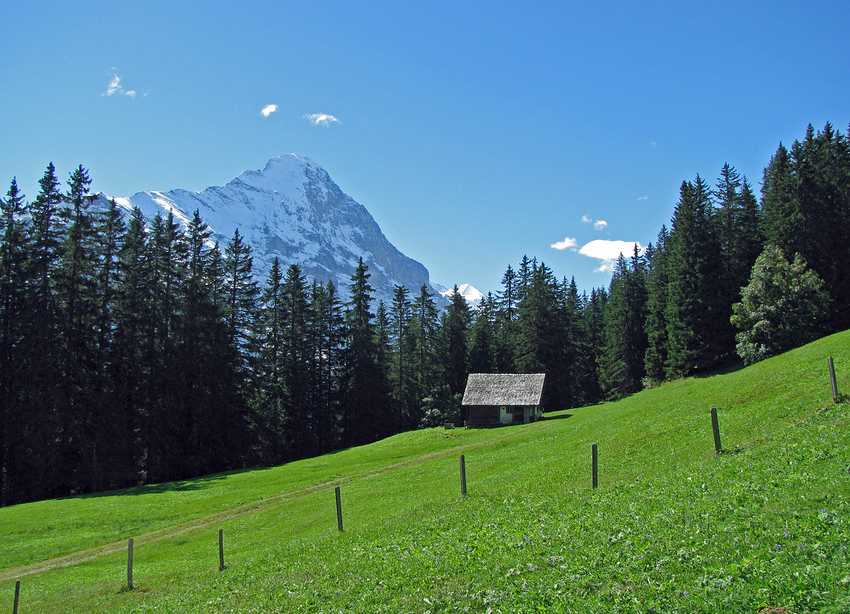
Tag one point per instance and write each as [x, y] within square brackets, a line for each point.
[135, 351]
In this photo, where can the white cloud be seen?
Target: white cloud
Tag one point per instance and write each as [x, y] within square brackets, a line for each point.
[268, 109]
[608, 252]
[565, 244]
[597, 224]
[321, 119]
[643, 198]
[115, 87]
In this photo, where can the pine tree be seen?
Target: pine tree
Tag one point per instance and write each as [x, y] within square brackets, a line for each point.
[366, 405]
[507, 311]
[482, 338]
[296, 363]
[162, 427]
[403, 353]
[657, 287]
[424, 327]
[81, 406]
[241, 295]
[269, 399]
[806, 209]
[208, 400]
[583, 381]
[736, 221]
[625, 335]
[131, 363]
[328, 339]
[594, 322]
[13, 300]
[542, 338]
[779, 218]
[34, 476]
[109, 229]
[454, 327]
[694, 302]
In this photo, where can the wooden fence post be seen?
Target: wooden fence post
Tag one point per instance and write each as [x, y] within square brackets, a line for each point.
[462, 475]
[130, 564]
[594, 455]
[221, 548]
[17, 596]
[715, 426]
[832, 379]
[338, 508]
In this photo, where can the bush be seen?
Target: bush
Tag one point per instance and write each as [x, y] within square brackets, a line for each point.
[783, 307]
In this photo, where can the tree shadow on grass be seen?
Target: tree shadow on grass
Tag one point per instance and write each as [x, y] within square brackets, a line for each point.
[558, 417]
[730, 367]
[199, 483]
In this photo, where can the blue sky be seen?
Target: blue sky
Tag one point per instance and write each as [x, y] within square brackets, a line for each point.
[474, 133]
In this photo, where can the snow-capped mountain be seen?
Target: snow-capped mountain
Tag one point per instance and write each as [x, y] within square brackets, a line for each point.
[471, 294]
[292, 210]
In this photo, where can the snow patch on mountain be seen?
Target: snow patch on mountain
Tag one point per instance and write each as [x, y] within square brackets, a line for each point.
[467, 291]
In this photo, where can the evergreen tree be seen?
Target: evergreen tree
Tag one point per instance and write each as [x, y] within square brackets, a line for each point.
[297, 363]
[694, 303]
[131, 364]
[241, 295]
[737, 229]
[81, 405]
[208, 401]
[328, 339]
[13, 300]
[482, 339]
[424, 325]
[34, 476]
[365, 389]
[270, 392]
[109, 228]
[162, 429]
[506, 314]
[542, 337]
[583, 381]
[657, 287]
[779, 220]
[403, 354]
[593, 316]
[452, 340]
[625, 338]
[806, 209]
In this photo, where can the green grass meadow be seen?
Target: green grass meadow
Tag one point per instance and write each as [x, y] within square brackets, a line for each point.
[672, 527]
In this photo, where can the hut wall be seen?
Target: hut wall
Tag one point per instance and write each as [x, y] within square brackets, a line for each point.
[482, 415]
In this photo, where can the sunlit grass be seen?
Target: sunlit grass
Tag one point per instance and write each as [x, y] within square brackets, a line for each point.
[672, 527]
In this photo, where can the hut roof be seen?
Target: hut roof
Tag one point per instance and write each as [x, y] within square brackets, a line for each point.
[503, 389]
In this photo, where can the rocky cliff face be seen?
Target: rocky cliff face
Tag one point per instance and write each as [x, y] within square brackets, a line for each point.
[292, 210]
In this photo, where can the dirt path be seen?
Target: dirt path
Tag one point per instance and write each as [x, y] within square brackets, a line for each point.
[202, 522]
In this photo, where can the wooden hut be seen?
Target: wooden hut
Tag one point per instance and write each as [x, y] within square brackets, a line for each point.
[494, 399]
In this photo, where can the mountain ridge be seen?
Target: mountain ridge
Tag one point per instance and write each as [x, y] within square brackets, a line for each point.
[293, 210]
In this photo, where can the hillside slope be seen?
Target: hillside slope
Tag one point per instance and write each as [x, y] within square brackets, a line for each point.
[672, 526]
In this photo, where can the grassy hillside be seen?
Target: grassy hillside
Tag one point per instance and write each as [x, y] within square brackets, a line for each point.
[671, 528]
